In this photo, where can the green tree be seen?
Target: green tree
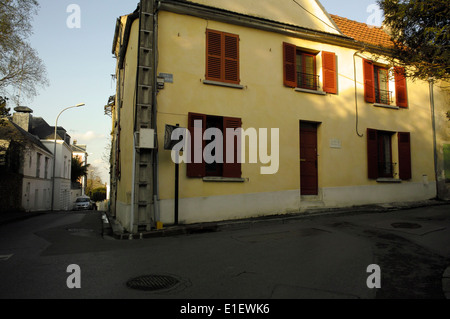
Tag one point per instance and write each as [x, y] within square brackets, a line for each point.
[4, 111]
[78, 169]
[420, 30]
[21, 68]
[98, 194]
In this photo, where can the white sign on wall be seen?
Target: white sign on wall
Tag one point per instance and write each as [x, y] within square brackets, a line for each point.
[335, 143]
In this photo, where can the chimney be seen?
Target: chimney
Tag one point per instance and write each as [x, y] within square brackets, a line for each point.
[22, 117]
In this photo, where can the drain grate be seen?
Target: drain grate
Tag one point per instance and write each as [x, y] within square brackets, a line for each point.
[152, 282]
[406, 225]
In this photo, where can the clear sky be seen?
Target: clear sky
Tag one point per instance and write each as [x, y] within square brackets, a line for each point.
[80, 64]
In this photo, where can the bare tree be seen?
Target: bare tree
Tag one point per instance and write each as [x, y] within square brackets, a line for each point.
[20, 66]
[93, 179]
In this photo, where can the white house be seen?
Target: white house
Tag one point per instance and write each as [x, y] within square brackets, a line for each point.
[33, 164]
[39, 128]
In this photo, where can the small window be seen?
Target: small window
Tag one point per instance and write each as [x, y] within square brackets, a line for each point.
[376, 85]
[228, 164]
[385, 165]
[306, 71]
[381, 81]
[222, 57]
[46, 167]
[380, 157]
[300, 69]
[65, 167]
[38, 165]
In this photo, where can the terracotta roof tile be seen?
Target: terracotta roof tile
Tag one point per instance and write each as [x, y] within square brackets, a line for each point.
[363, 32]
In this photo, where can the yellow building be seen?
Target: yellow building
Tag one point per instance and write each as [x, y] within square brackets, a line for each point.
[325, 121]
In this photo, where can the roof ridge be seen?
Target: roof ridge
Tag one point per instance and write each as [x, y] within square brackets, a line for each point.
[368, 25]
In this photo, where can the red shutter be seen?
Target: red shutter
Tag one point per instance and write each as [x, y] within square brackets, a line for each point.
[404, 155]
[214, 52]
[400, 87]
[372, 153]
[196, 169]
[289, 65]
[329, 72]
[232, 169]
[369, 85]
[231, 58]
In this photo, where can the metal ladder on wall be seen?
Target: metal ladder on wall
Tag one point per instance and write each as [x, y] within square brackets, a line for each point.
[143, 197]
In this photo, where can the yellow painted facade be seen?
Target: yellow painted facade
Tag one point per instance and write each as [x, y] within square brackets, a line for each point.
[264, 102]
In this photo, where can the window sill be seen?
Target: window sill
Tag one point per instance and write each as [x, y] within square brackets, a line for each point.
[310, 91]
[387, 106]
[223, 179]
[388, 180]
[229, 85]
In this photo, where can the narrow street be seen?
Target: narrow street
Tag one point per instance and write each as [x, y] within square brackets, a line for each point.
[322, 256]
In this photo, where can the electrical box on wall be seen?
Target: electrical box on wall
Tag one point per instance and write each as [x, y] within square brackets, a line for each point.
[147, 138]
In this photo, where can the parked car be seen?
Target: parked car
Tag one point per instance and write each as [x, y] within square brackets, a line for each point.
[83, 203]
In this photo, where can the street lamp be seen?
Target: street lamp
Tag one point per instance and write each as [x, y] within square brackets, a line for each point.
[54, 150]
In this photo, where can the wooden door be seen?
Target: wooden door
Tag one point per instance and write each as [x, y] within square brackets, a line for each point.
[308, 159]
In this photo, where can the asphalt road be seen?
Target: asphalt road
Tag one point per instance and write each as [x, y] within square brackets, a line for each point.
[319, 257]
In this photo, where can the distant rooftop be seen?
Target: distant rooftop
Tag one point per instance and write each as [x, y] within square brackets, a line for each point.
[8, 131]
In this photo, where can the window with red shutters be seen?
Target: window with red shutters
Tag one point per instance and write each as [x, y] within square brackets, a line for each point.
[222, 57]
[381, 83]
[232, 168]
[196, 167]
[289, 65]
[379, 154]
[201, 168]
[372, 153]
[329, 72]
[299, 69]
[404, 155]
[376, 84]
[369, 82]
[400, 87]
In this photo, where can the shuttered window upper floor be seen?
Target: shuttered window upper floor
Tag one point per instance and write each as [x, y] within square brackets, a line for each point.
[377, 88]
[305, 69]
[300, 69]
[222, 57]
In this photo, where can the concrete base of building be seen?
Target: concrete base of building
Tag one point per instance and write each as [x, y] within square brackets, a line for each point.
[229, 207]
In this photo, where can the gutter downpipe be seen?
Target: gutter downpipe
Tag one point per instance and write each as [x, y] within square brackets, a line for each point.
[133, 186]
[433, 124]
[356, 92]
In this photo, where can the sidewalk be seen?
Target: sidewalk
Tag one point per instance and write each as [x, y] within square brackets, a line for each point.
[118, 231]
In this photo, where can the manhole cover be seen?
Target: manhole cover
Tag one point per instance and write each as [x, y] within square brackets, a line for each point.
[406, 225]
[152, 282]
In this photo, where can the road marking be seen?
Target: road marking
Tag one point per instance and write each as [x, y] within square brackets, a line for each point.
[5, 257]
